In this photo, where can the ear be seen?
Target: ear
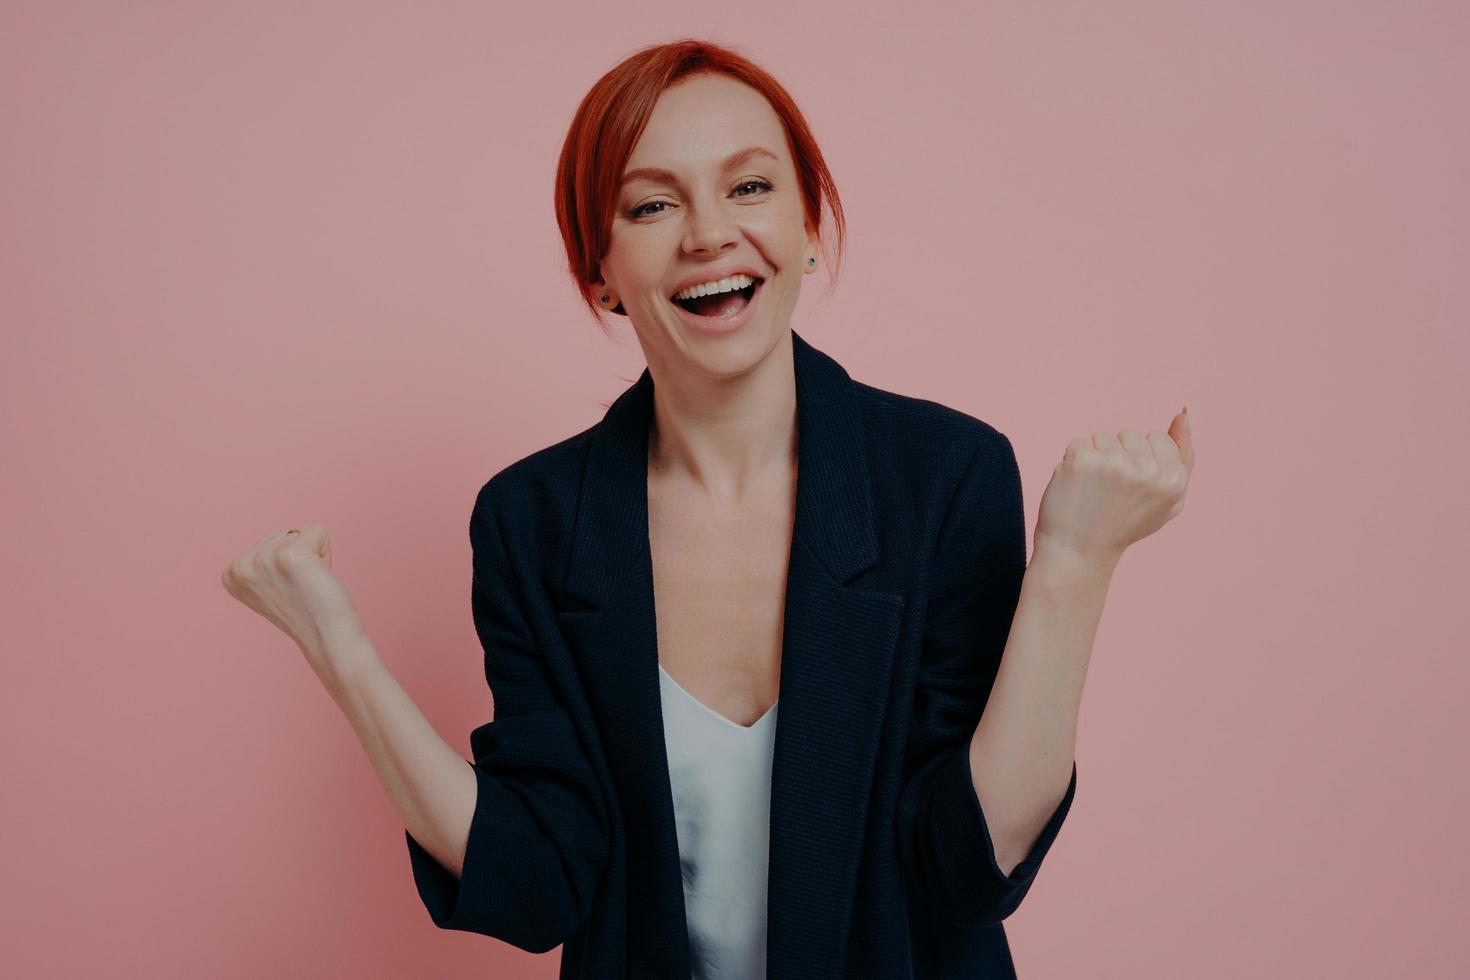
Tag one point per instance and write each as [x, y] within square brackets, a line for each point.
[604, 297]
[813, 247]
[599, 289]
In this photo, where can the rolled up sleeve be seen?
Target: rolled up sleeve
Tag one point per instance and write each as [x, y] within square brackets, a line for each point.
[538, 839]
[945, 844]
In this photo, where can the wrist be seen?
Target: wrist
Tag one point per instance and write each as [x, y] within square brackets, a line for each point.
[1063, 565]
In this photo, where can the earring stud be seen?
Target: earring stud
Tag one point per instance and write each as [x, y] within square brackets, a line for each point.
[811, 261]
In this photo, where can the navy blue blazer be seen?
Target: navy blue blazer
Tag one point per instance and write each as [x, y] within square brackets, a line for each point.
[905, 569]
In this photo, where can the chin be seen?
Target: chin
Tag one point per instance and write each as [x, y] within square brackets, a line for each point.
[736, 355]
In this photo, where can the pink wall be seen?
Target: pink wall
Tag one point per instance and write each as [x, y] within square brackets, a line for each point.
[272, 264]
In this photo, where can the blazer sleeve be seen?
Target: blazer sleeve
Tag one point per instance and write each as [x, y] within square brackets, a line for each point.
[946, 850]
[538, 839]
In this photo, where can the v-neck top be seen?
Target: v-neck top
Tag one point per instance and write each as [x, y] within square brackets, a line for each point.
[720, 776]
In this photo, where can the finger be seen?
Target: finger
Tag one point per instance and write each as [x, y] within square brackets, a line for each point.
[309, 539]
[1106, 442]
[1183, 438]
[264, 540]
[303, 539]
[1133, 441]
[1076, 446]
[268, 542]
[279, 541]
[1164, 448]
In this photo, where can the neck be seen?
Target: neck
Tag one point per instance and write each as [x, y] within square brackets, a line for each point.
[725, 435]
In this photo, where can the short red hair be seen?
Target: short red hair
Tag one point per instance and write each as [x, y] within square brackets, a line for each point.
[612, 117]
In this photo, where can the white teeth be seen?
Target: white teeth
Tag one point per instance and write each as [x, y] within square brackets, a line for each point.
[737, 281]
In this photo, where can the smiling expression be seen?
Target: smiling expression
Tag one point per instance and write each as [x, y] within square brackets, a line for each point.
[709, 190]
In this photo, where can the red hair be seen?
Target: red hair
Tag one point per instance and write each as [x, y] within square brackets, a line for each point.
[612, 117]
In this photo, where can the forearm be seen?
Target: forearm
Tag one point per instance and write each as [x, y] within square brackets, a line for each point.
[1023, 749]
[431, 785]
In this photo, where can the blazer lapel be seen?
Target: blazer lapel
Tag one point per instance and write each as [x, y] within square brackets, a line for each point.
[838, 643]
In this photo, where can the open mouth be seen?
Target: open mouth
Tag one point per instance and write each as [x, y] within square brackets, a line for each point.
[721, 305]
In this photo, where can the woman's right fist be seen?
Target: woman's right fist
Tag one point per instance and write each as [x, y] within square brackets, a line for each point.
[287, 578]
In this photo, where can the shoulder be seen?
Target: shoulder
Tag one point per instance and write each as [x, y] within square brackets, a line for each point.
[532, 489]
[950, 486]
[937, 444]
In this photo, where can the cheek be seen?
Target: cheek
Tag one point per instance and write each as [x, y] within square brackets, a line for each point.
[642, 261]
[785, 234]
[630, 273]
[628, 252]
[777, 238]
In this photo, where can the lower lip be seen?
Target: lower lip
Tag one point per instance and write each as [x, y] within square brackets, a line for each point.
[716, 325]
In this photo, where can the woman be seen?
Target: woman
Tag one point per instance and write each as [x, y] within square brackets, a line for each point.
[762, 639]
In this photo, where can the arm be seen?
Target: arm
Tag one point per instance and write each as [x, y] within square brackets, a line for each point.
[1022, 752]
[1108, 492]
[945, 836]
[430, 784]
[513, 844]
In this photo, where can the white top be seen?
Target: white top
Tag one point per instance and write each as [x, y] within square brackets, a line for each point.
[720, 774]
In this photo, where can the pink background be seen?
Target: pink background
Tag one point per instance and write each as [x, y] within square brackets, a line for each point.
[266, 264]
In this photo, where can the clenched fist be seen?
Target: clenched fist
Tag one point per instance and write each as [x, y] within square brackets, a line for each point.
[287, 578]
[1110, 491]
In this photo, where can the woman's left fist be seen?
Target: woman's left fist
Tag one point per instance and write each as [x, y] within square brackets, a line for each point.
[1110, 491]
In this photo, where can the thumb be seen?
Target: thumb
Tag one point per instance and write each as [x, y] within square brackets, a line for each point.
[314, 538]
[1179, 431]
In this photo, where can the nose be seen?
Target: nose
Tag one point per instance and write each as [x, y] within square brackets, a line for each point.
[710, 230]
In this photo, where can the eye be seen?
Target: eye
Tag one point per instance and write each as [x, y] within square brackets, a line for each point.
[642, 210]
[757, 182]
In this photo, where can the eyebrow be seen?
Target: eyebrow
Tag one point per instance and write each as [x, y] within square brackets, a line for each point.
[669, 177]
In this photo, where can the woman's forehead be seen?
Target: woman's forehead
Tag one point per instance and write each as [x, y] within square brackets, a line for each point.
[702, 121]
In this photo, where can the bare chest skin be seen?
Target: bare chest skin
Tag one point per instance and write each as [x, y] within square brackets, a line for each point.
[719, 587]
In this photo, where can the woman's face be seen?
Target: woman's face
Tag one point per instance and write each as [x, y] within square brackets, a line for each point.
[717, 210]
